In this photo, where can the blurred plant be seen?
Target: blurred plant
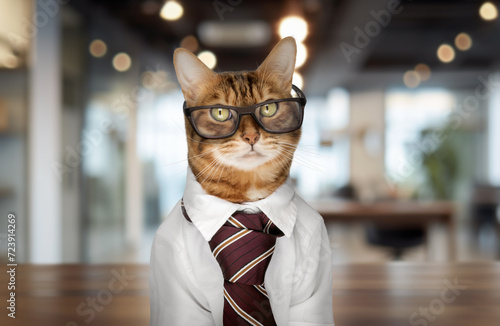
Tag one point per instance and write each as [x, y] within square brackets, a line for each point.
[445, 165]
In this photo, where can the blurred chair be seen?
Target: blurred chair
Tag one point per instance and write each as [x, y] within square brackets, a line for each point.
[485, 200]
[347, 191]
[397, 238]
[484, 210]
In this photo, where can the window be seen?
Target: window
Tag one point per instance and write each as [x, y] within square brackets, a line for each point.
[408, 113]
[322, 158]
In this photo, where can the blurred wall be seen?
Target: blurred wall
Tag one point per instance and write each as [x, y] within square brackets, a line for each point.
[14, 17]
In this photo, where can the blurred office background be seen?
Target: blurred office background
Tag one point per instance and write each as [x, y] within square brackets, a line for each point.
[403, 111]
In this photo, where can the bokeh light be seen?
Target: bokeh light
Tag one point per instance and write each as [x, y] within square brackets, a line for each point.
[11, 61]
[98, 48]
[208, 58]
[122, 62]
[190, 43]
[446, 53]
[411, 79]
[293, 26]
[297, 80]
[488, 11]
[301, 55]
[172, 10]
[463, 41]
[423, 71]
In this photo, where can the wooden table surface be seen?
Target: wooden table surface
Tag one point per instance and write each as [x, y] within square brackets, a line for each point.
[384, 210]
[396, 213]
[364, 295]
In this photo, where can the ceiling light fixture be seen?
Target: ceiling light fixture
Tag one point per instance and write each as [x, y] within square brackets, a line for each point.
[122, 62]
[11, 61]
[488, 11]
[411, 79]
[463, 41]
[446, 53]
[294, 26]
[98, 48]
[423, 71]
[208, 58]
[190, 43]
[301, 55]
[172, 10]
[297, 80]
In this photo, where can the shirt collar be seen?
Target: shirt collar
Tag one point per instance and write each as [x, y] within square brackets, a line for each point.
[208, 213]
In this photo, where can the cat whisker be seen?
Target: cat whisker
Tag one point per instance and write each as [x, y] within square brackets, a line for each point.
[289, 144]
[214, 165]
[303, 161]
[281, 160]
[194, 156]
[197, 141]
[300, 150]
[214, 169]
[302, 158]
[199, 156]
[220, 166]
[206, 171]
[308, 166]
[208, 166]
[172, 163]
[293, 144]
[222, 170]
[192, 139]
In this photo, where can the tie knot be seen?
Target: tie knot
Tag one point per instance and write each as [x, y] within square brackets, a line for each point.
[255, 222]
[243, 246]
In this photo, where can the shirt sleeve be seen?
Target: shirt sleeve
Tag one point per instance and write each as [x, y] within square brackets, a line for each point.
[315, 286]
[172, 301]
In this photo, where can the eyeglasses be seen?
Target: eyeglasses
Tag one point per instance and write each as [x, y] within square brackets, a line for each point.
[222, 121]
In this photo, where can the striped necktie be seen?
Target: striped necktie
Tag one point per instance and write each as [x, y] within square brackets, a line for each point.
[243, 247]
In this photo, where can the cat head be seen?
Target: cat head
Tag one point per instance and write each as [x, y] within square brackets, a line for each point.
[251, 163]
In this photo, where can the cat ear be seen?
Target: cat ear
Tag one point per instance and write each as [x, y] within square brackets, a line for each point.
[281, 61]
[192, 74]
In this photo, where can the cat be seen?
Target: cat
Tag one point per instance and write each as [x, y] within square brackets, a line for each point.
[237, 174]
[240, 172]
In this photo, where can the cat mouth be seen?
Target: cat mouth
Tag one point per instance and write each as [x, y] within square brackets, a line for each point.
[252, 153]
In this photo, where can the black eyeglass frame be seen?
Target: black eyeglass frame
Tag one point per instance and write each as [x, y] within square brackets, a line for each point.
[249, 110]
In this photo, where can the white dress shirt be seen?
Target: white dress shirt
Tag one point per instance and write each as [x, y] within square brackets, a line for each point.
[186, 282]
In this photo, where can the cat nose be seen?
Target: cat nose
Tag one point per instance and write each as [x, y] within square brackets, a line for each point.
[251, 137]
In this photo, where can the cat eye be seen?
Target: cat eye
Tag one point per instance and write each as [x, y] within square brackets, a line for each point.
[220, 114]
[274, 116]
[269, 109]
